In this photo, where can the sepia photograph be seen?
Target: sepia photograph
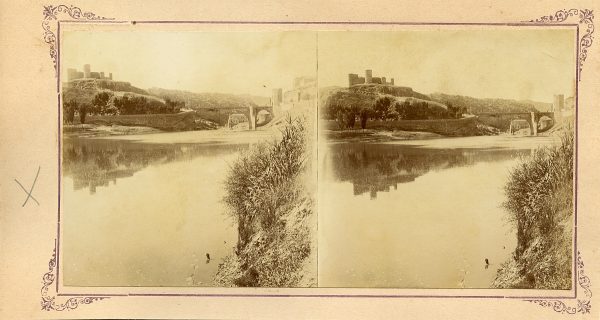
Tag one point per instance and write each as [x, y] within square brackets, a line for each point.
[446, 158]
[299, 160]
[186, 159]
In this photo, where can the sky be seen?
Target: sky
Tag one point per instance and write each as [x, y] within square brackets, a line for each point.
[501, 62]
[225, 62]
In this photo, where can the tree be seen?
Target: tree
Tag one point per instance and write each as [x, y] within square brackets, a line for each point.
[350, 118]
[365, 113]
[403, 109]
[82, 113]
[69, 108]
[352, 111]
[383, 108]
[101, 103]
[339, 119]
[173, 106]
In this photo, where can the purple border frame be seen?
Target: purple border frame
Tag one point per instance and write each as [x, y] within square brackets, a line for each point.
[523, 24]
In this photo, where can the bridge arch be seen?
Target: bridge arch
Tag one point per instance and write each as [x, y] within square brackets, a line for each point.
[263, 117]
[545, 123]
[533, 118]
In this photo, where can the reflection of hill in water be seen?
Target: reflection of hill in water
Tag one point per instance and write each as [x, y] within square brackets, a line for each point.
[378, 167]
[94, 162]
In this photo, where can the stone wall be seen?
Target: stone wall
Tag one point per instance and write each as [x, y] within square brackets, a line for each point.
[168, 122]
[447, 127]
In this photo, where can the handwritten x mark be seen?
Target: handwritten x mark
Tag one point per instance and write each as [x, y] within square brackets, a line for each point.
[29, 195]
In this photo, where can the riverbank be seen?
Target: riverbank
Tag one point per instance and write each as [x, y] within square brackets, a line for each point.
[382, 131]
[540, 204]
[96, 130]
[370, 135]
[154, 136]
[267, 195]
[463, 127]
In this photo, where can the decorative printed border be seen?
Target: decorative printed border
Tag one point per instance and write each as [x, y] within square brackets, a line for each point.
[583, 305]
[49, 301]
[51, 14]
[586, 18]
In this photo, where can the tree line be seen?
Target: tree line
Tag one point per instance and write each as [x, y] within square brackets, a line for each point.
[348, 107]
[106, 103]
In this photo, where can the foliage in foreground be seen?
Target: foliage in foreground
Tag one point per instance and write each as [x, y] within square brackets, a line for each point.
[266, 194]
[540, 202]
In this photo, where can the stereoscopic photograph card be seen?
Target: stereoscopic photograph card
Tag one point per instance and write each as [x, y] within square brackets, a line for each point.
[238, 160]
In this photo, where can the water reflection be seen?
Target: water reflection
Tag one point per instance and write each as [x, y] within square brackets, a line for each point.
[374, 168]
[162, 224]
[93, 163]
[401, 215]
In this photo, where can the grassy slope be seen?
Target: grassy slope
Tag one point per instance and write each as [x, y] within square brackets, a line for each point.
[196, 100]
[540, 201]
[83, 91]
[476, 105]
[267, 194]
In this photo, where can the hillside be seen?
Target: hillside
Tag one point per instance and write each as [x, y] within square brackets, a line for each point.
[107, 97]
[540, 106]
[370, 90]
[395, 91]
[103, 84]
[380, 101]
[194, 100]
[475, 105]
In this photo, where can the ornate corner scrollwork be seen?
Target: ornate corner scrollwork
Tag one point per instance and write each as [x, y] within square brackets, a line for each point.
[584, 304]
[49, 302]
[586, 19]
[51, 14]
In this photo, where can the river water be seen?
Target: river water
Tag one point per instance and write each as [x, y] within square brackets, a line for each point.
[416, 214]
[144, 214]
[411, 214]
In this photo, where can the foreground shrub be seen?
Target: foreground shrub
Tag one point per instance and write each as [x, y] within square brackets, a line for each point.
[540, 202]
[266, 195]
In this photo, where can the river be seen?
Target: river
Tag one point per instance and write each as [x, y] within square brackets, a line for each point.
[138, 211]
[145, 214]
[416, 214]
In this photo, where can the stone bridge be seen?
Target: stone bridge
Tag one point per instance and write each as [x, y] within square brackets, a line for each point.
[533, 118]
[222, 115]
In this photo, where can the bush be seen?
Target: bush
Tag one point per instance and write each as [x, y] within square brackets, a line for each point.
[130, 104]
[540, 203]
[69, 108]
[82, 113]
[102, 103]
[262, 180]
[384, 108]
[266, 195]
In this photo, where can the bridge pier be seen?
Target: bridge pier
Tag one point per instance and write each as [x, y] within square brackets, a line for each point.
[251, 119]
[533, 125]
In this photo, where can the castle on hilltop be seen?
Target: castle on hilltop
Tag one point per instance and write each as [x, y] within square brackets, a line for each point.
[354, 79]
[73, 74]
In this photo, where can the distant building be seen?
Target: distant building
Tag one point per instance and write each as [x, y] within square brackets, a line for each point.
[354, 79]
[73, 74]
[559, 103]
[303, 94]
[276, 100]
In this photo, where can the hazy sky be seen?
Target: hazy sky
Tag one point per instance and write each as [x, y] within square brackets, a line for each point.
[501, 62]
[227, 62]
